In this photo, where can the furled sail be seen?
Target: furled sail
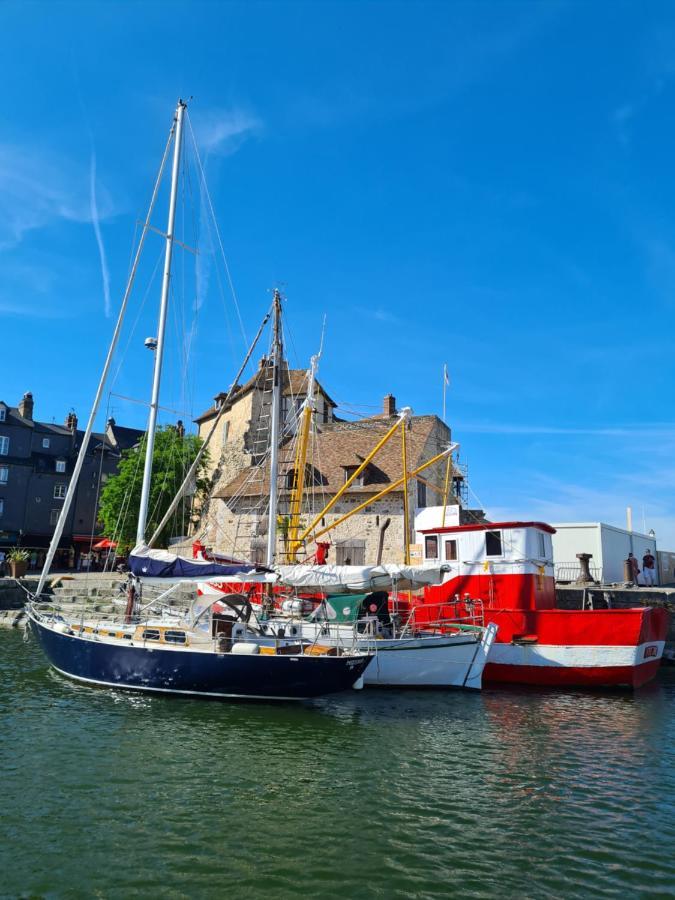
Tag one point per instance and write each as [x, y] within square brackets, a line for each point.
[359, 579]
[161, 564]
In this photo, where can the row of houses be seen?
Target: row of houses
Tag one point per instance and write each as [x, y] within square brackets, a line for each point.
[36, 464]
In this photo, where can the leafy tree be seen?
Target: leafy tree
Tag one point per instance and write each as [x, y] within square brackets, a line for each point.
[121, 497]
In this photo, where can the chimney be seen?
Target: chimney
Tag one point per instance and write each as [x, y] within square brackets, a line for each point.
[389, 406]
[26, 406]
[110, 423]
[180, 428]
[71, 421]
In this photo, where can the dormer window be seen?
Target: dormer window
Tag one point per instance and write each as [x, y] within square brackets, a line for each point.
[60, 465]
[3, 413]
[360, 480]
[45, 443]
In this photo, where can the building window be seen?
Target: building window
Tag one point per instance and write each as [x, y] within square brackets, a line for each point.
[226, 429]
[59, 491]
[45, 443]
[54, 516]
[290, 479]
[431, 546]
[2, 506]
[3, 413]
[351, 552]
[360, 480]
[325, 412]
[450, 551]
[4, 445]
[60, 465]
[4, 474]
[421, 494]
[493, 543]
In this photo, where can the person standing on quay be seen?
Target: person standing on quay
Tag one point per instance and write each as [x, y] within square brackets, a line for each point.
[634, 568]
[649, 569]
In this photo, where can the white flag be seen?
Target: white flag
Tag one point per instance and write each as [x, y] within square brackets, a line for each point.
[446, 377]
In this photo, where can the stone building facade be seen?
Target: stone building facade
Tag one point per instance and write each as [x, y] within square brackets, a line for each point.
[235, 520]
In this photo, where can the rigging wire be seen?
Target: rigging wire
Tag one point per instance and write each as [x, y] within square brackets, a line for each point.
[215, 222]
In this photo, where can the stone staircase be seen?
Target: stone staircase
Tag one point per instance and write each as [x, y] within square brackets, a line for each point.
[86, 594]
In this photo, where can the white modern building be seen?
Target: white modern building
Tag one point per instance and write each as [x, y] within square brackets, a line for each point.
[608, 545]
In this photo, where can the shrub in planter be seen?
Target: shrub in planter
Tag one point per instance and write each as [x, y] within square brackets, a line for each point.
[18, 562]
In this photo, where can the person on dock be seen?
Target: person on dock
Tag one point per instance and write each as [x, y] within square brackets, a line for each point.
[634, 568]
[649, 569]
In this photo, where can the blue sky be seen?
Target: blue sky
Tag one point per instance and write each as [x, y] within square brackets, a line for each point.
[484, 184]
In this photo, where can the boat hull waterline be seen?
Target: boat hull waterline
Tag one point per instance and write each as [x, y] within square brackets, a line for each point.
[197, 673]
[430, 661]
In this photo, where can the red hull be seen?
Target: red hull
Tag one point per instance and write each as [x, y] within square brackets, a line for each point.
[567, 648]
[573, 676]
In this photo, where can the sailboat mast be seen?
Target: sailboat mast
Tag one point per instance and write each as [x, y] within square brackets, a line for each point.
[277, 358]
[159, 350]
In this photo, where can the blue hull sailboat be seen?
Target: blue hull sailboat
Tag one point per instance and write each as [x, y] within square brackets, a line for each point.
[223, 656]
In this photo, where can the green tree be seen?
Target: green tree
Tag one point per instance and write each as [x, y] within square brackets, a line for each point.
[121, 497]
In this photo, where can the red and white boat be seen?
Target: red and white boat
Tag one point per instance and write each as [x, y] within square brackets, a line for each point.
[508, 567]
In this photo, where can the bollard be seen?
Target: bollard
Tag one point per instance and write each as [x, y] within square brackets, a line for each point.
[585, 576]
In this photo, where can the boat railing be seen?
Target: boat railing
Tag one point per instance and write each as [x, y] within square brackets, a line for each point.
[450, 615]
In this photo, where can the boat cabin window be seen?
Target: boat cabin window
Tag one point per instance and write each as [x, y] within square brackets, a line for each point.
[150, 634]
[450, 550]
[493, 543]
[431, 546]
[174, 637]
[542, 544]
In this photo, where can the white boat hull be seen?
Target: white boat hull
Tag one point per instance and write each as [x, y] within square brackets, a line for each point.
[449, 660]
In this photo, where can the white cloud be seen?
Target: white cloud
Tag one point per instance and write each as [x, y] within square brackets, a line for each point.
[221, 132]
[95, 220]
[31, 311]
[551, 499]
[38, 189]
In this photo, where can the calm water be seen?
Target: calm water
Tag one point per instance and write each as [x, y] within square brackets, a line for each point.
[371, 794]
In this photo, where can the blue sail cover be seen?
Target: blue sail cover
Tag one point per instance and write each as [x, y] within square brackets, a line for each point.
[147, 563]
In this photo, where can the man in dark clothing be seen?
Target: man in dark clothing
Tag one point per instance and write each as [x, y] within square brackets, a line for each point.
[635, 571]
[649, 569]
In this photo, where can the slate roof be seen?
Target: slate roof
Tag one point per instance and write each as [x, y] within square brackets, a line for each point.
[14, 414]
[341, 445]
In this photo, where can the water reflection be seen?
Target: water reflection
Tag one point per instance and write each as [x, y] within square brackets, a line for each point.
[375, 793]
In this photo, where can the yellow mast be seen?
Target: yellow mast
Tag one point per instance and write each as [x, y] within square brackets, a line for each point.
[387, 490]
[300, 467]
[293, 547]
[406, 523]
[448, 473]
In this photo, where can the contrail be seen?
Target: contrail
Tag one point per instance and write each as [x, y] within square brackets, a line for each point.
[105, 274]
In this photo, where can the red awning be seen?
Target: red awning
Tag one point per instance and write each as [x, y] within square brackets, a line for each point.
[105, 544]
